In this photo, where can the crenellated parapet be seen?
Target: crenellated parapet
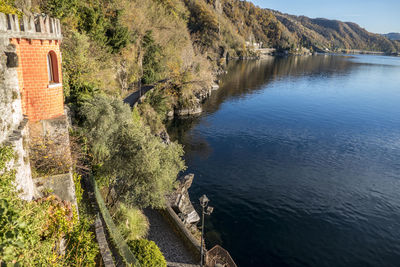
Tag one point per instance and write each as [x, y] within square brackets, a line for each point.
[37, 26]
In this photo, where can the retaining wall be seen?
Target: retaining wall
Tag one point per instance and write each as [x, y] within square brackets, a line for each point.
[13, 130]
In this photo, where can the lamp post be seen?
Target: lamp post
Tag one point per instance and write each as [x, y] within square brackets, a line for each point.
[203, 203]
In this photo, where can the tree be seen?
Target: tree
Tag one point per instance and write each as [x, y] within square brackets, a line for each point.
[138, 165]
[152, 67]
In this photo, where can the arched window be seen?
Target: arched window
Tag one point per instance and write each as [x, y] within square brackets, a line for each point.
[52, 67]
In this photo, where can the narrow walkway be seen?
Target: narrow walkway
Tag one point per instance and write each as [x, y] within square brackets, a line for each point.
[134, 97]
[173, 248]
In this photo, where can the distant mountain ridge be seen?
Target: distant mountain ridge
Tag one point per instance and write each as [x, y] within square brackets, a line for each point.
[243, 21]
[393, 36]
[323, 33]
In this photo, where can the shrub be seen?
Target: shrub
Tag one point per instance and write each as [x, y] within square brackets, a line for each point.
[82, 248]
[78, 187]
[80, 67]
[30, 232]
[140, 167]
[151, 118]
[8, 7]
[103, 119]
[147, 253]
[117, 35]
[132, 223]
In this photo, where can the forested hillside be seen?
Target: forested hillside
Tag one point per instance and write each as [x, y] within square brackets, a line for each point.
[283, 31]
[393, 36]
[334, 35]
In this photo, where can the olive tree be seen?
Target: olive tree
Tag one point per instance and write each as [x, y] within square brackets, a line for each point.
[138, 165]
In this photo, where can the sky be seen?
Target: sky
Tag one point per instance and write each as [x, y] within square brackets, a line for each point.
[378, 16]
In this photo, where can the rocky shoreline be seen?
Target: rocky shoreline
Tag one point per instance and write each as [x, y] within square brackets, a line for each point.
[180, 202]
[197, 109]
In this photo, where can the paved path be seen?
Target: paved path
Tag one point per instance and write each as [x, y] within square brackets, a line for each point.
[173, 248]
[134, 97]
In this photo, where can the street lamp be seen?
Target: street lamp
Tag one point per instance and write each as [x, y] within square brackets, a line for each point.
[203, 203]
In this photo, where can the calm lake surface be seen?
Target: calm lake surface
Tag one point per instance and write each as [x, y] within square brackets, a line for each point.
[300, 157]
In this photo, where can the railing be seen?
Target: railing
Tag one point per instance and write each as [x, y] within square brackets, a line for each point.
[35, 26]
[119, 241]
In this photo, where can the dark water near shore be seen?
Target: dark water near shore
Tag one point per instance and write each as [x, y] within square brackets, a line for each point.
[300, 157]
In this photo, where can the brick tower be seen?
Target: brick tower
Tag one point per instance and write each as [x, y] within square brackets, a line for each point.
[31, 94]
[38, 61]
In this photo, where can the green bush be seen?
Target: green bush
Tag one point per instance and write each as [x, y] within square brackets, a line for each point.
[118, 36]
[132, 223]
[151, 118]
[158, 99]
[30, 232]
[80, 67]
[147, 253]
[82, 248]
[78, 187]
[141, 168]
[93, 22]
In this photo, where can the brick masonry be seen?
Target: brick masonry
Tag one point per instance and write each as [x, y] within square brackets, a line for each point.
[34, 37]
[39, 100]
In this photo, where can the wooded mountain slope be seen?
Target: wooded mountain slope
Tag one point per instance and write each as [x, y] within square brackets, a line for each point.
[284, 31]
[333, 34]
[393, 36]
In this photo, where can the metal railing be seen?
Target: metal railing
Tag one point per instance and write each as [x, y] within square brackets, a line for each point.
[116, 236]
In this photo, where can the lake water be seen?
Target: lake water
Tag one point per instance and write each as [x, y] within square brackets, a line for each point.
[300, 157]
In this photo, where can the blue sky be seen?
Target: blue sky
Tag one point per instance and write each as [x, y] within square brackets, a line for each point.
[379, 16]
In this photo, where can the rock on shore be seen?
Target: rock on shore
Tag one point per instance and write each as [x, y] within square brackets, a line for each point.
[180, 201]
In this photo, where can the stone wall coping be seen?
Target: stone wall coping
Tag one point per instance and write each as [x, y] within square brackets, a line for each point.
[36, 26]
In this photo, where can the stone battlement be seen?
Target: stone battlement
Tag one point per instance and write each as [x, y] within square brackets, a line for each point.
[37, 26]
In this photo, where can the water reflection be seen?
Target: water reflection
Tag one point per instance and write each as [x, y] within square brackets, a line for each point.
[300, 156]
[247, 77]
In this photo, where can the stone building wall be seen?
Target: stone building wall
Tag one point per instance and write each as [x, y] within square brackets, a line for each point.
[13, 125]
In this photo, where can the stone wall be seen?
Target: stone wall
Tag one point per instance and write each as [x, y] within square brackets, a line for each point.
[13, 130]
